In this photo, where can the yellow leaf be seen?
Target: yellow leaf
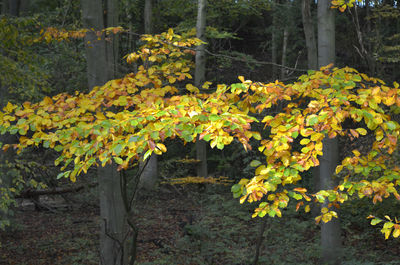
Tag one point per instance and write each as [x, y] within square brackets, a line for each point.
[307, 208]
[304, 141]
[161, 147]
[361, 131]
[386, 232]
[192, 88]
[9, 107]
[324, 210]
[241, 78]
[206, 85]
[396, 233]
[171, 79]
[387, 217]
[338, 169]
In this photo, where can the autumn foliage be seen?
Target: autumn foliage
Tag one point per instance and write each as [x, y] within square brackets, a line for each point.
[132, 116]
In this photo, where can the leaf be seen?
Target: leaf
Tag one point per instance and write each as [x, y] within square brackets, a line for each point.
[305, 141]
[361, 131]
[391, 125]
[147, 154]
[161, 147]
[118, 160]
[312, 119]
[375, 221]
[214, 117]
[236, 188]
[255, 163]
[396, 233]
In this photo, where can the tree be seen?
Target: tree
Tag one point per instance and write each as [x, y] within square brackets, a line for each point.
[101, 61]
[311, 42]
[116, 122]
[149, 174]
[330, 232]
[199, 79]
[297, 140]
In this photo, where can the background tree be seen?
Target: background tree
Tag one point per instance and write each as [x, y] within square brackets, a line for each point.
[330, 232]
[199, 79]
[100, 54]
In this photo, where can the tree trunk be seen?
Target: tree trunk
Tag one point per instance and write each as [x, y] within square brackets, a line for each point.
[284, 49]
[326, 33]
[330, 232]
[13, 7]
[260, 240]
[113, 218]
[199, 78]
[149, 176]
[112, 44]
[148, 12]
[311, 43]
[113, 246]
[274, 40]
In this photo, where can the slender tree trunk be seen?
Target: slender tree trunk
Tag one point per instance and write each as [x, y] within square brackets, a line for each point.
[330, 232]
[148, 16]
[112, 44]
[149, 176]
[13, 7]
[199, 78]
[113, 218]
[311, 42]
[284, 51]
[274, 40]
[260, 240]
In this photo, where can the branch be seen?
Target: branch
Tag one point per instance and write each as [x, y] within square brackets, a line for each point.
[54, 191]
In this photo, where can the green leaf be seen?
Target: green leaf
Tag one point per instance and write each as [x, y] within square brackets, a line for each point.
[118, 160]
[255, 163]
[58, 148]
[375, 221]
[236, 188]
[118, 149]
[207, 137]
[60, 175]
[391, 125]
[312, 120]
[214, 117]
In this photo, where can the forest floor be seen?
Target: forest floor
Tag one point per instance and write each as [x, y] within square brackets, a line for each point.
[185, 226]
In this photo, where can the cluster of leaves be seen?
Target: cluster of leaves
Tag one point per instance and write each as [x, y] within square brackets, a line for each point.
[20, 173]
[21, 68]
[318, 105]
[199, 180]
[342, 5]
[129, 116]
[54, 34]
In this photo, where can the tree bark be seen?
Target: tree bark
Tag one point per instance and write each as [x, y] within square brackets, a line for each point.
[112, 43]
[13, 7]
[330, 232]
[112, 212]
[284, 49]
[274, 40]
[199, 78]
[326, 33]
[148, 16]
[149, 176]
[311, 42]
